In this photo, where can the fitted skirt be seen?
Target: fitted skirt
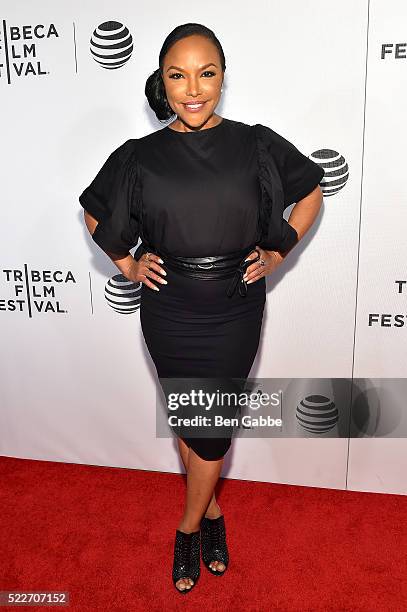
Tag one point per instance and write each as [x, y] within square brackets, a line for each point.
[194, 331]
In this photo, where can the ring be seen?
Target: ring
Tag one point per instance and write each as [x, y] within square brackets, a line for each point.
[148, 256]
[262, 262]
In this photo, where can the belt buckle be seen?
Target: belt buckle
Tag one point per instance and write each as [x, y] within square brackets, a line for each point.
[205, 266]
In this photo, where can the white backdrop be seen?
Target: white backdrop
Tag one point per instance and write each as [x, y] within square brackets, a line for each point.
[78, 384]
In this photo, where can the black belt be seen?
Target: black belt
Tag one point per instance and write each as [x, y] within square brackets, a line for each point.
[212, 267]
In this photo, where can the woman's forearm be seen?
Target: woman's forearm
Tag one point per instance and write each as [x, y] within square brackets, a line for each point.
[303, 216]
[123, 262]
[90, 222]
[305, 212]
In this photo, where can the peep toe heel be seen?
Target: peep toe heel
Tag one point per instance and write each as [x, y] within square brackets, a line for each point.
[186, 558]
[213, 543]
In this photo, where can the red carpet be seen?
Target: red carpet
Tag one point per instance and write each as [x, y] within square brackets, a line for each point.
[106, 536]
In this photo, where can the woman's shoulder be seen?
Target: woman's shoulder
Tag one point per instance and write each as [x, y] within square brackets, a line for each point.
[133, 150]
[242, 125]
[273, 140]
[269, 137]
[152, 137]
[133, 146]
[123, 152]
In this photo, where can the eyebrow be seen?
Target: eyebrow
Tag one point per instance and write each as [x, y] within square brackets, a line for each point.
[201, 68]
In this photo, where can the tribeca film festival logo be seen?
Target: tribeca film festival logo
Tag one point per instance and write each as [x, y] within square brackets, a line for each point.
[393, 50]
[111, 45]
[388, 319]
[33, 291]
[19, 48]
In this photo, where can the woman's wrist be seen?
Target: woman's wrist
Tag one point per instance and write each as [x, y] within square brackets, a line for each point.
[276, 255]
[282, 254]
[123, 262]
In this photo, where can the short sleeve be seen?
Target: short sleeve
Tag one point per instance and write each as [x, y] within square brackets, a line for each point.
[113, 199]
[299, 174]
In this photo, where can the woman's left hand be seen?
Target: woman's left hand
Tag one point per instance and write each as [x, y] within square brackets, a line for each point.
[255, 271]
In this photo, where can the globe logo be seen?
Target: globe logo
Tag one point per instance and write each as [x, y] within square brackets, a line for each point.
[111, 45]
[123, 295]
[317, 414]
[336, 170]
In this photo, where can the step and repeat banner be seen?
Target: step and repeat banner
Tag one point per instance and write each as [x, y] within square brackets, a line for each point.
[77, 381]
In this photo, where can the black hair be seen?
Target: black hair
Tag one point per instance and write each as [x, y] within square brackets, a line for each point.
[154, 89]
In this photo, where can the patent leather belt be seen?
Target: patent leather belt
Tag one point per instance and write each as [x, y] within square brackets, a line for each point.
[213, 267]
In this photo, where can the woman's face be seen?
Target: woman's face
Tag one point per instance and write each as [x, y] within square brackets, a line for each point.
[193, 79]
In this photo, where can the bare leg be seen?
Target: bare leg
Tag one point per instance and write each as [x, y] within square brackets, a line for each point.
[202, 477]
[184, 452]
[213, 509]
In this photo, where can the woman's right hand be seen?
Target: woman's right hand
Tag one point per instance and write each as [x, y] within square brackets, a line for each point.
[144, 269]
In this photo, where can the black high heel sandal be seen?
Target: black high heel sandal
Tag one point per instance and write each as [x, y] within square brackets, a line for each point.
[213, 543]
[187, 561]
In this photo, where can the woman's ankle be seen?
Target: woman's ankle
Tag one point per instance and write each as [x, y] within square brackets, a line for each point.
[213, 510]
[188, 527]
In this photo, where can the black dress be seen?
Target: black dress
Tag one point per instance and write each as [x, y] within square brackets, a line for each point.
[198, 194]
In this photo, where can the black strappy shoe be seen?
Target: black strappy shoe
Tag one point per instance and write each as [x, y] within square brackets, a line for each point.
[187, 561]
[213, 543]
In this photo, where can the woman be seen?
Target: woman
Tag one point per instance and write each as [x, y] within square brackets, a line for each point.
[206, 195]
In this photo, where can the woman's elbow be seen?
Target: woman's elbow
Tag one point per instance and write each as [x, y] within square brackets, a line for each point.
[90, 221]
